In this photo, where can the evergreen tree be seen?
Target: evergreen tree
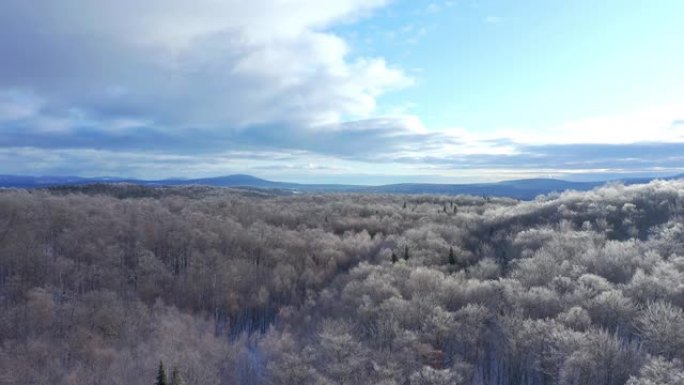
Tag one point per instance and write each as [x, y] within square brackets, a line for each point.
[404, 204]
[406, 253]
[502, 258]
[161, 375]
[176, 378]
[394, 258]
[452, 258]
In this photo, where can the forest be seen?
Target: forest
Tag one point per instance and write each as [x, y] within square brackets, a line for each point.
[101, 283]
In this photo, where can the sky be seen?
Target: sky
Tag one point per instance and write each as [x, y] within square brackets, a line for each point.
[343, 91]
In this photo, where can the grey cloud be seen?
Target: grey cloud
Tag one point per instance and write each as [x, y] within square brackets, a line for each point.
[205, 78]
[635, 156]
[213, 64]
[560, 161]
[352, 140]
[145, 85]
[374, 141]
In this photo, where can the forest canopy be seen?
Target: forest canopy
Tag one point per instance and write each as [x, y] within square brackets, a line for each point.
[99, 283]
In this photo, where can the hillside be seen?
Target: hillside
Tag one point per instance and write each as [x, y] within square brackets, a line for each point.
[98, 284]
[525, 189]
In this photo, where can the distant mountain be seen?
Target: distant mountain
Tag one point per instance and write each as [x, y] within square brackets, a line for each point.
[238, 180]
[223, 181]
[519, 189]
[41, 181]
[242, 180]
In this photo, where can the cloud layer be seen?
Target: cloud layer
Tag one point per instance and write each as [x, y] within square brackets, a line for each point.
[179, 64]
[176, 88]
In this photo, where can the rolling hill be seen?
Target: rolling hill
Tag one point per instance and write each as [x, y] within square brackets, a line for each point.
[524, 189]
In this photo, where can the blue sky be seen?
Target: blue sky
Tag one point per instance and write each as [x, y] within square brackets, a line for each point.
[352, 91]
[532, 64]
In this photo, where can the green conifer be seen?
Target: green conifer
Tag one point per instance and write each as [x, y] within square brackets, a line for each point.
[161, 375]
[452, 258]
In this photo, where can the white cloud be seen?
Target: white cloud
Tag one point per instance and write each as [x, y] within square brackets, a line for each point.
[648, 124]
[17, 105]
[492, 19]
[140, 86]
[206, 62]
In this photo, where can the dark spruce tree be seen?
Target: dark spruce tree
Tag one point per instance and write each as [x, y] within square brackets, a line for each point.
[452, 258]
[395, 259]
[406, 253]
[503, 260]
[161, 375]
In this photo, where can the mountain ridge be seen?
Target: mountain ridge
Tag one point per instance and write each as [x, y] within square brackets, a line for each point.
[516, 188]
